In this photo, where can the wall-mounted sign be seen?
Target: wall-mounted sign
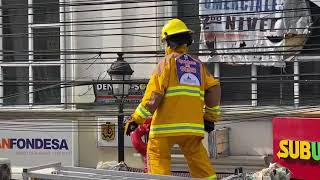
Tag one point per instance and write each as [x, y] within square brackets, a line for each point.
[29, 142]
[303, 150]
[296, 145]
[251, 26]
[108, 131]
[107, 135]
[20, 143]
[104, 96]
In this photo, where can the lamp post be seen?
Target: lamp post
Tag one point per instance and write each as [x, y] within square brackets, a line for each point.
[120, 70]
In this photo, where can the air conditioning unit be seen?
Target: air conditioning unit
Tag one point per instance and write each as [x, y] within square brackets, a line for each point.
[5, 169]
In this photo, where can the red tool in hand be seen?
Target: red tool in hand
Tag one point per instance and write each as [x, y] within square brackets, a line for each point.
[136, 139]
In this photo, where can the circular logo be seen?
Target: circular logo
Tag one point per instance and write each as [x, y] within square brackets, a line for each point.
[189, 79]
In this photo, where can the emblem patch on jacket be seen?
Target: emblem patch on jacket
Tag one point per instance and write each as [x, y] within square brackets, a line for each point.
[188, 70]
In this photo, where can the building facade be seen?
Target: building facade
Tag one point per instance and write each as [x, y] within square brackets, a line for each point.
[53, 52]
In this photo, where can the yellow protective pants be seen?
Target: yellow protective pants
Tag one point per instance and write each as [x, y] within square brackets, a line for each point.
[159, 156]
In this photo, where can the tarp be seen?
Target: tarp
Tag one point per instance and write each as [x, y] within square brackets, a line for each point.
[232, 30]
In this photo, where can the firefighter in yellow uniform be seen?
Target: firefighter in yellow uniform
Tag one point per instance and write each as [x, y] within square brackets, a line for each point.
[181, 97]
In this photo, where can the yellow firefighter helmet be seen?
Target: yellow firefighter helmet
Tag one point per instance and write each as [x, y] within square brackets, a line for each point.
[174, 26]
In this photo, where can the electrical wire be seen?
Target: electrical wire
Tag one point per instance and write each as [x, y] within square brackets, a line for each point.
[155, 6]
[92, 127]
[157, 18]
[145, 54]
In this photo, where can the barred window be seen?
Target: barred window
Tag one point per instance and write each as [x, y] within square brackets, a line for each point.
[31, 59]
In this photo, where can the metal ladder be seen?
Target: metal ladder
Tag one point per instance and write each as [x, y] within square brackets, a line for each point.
[56, 171]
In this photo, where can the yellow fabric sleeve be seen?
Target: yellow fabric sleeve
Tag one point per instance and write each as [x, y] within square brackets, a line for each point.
[209, 80]
[212, 114]
[155, 90]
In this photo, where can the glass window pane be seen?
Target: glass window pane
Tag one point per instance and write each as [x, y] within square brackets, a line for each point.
[47, 44]
[235, 93]
[46, 92]
[46, 11]
[15, 93]
[274, 87]
[15, 30]
[309, 91]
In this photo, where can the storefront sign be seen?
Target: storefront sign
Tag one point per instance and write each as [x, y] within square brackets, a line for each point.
[244, 26]
[34, 143]
[303, 150]
[104, 96]
[29, 142]
[296, 145]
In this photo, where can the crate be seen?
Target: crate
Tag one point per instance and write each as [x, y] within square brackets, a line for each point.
[218, 143]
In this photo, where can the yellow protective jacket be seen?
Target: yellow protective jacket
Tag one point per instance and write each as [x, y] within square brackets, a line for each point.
[174, 96]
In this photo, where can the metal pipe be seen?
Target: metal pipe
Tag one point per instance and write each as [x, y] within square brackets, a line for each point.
[120, 132]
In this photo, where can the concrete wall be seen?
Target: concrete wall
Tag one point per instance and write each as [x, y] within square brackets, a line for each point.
[249, 137]
[252, 138]
[89, 152]
[124, 33]
[95, 37]
[118, 35]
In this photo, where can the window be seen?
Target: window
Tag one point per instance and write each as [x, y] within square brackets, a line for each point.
[309, 90]
[46, 11]
[31, 52]
[46, 39]
[46, 95]
[236, 85]
[275, 85]
[11, 89]
[296, 84]
[15, 30]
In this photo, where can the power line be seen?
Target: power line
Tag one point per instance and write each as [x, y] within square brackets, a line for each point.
[165, 5]
[152, 54]
[92, 127]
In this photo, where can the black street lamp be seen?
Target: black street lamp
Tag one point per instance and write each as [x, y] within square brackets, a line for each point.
[120, 70]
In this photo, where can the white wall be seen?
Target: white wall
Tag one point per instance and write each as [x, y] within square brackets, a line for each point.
[142, 36]
[95, 37]
[89, 153]
[249, 137]
[127, 37]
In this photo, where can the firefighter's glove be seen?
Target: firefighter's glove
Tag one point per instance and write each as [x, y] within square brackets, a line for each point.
[208, 126]
[212, 114]
[130, 126]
